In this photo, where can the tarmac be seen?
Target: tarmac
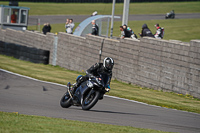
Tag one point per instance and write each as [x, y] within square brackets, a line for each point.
[58, 19]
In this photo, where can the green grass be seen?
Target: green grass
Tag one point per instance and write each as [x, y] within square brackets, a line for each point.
[106, 8]
[14, 122]
[175, 29]
[119, 89]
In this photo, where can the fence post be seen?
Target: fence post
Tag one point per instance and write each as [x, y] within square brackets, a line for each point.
[55, 44]
[108, 24]
[100, 51]
[38, 24]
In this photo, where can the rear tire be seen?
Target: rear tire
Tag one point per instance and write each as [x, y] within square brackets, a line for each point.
[90, 100]
[66, 101]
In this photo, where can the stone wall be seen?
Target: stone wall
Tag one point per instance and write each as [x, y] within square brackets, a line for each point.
[77, 53]
[159, 64]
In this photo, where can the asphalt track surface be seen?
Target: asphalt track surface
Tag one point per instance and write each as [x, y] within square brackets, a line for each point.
[32, 97]
[54, 19]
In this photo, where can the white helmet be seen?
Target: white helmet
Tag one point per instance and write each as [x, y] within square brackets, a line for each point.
[108, 63]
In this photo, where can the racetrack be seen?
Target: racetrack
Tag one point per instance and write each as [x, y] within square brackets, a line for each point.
[53, 19]
[32, 97]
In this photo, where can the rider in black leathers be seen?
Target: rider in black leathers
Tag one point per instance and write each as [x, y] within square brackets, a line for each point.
[105, 67]
[146, 31]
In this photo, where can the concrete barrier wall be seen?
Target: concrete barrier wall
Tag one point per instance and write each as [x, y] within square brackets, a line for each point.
[77, 53]
[159, 64]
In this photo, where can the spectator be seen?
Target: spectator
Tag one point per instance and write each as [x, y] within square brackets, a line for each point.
[124, 32]
[95, 28]
[129, 32]
[46, 28]
[69, 26]
[13, 17]
[146, 31]
[72, 25]
[158, 33]
[66, 23]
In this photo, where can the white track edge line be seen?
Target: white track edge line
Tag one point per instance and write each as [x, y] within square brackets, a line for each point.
[114, 97]
[32, 78]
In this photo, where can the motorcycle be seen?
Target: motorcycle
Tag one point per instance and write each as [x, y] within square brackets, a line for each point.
[87, 94]
[170, 15]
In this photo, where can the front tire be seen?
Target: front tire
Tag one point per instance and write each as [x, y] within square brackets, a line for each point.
[90, 100]
[66, 101]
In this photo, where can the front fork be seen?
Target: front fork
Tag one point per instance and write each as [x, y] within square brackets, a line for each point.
[68, 89]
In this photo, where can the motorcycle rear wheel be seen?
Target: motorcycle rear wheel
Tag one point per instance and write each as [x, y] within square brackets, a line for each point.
[66, 101]
[90, 100]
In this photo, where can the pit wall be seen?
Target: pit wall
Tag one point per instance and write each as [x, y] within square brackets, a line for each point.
[159, 64]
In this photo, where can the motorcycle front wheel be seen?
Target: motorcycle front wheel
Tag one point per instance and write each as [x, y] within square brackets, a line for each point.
[90, 100]
[66, 101]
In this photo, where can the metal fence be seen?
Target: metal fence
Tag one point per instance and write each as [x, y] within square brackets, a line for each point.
[100, 1]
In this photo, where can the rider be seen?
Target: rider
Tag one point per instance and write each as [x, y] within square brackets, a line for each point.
[105, 67]
[158, 33]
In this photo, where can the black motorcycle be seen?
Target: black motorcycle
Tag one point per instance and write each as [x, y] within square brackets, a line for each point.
[170, 15]
[87, 94]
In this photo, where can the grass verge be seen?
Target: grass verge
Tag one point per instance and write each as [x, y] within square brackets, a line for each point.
[175, 29]
[15, 122]
[106, 8]
[119, 89]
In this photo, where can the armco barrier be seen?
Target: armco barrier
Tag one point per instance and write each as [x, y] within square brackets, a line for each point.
[159, 64]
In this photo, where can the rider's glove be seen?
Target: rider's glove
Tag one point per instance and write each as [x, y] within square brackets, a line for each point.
[107, 88]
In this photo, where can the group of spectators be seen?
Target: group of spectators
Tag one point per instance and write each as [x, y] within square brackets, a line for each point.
[69, 25]
[127, 32]
[147, 32]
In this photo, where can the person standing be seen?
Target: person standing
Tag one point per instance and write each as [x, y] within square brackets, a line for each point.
[158, 33]
[46, 28]
[95, 28]
[66, 24]
[71, 25]
[13, 17]
[146, 31]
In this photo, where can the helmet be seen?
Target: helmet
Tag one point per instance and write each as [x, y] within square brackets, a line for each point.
[108, 63]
